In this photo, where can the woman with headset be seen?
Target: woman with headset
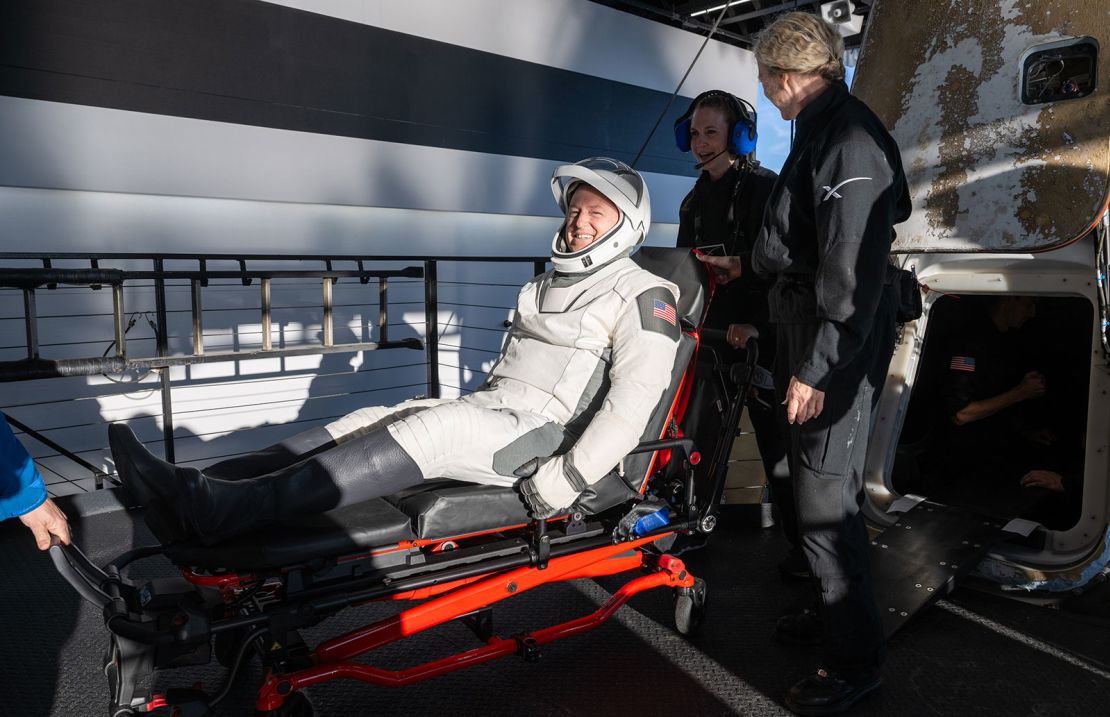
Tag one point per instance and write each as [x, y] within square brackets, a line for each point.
[721, 216]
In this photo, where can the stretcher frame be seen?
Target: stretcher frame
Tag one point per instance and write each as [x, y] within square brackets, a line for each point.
[166, 623]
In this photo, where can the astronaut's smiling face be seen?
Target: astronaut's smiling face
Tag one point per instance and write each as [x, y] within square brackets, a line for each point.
[589, 216]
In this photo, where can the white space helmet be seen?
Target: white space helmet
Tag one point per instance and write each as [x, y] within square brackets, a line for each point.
[621, 185]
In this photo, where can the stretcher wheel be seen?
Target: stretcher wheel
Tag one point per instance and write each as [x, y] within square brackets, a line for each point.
[689, 607]
[296, 705]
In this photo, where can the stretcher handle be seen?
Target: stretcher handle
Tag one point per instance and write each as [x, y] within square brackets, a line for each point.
[693, 457]
[720, 336]
[742, 374]
[714, 336]
[87, 579]
[685, 443]
[100, 589]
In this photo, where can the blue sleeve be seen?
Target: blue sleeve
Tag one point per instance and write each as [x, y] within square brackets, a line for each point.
[21, 486]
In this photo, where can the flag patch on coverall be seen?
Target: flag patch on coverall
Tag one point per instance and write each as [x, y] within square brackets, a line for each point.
[664, 311]
[658, 312]
[962, 363]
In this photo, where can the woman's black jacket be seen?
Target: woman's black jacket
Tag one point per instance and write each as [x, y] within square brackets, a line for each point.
[705, 220]
[828, 229]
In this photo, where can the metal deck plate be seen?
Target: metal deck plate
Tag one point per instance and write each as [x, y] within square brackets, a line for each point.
[917, 560]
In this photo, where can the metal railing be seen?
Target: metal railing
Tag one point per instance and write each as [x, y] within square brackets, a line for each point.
[32, 280]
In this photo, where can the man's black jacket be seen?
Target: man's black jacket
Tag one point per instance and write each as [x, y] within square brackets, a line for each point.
[828, 228]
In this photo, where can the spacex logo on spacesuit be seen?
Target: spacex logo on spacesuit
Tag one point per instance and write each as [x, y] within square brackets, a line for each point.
[831, 191]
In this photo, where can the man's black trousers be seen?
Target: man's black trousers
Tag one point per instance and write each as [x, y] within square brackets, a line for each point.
[826, 457]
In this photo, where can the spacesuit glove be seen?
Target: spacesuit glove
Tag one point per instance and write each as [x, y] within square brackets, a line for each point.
[550, 491]
[537, 506]
[626, 528]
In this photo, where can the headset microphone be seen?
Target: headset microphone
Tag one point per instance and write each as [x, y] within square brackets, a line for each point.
[702, 164]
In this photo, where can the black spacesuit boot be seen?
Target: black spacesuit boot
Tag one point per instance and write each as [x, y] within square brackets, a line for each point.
[183, 503]
[280, 455]
[148, 481]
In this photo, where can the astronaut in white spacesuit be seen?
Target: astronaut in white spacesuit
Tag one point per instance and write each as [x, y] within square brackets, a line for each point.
[587, 358]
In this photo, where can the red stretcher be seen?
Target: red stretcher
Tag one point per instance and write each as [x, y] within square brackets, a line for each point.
[452, 548]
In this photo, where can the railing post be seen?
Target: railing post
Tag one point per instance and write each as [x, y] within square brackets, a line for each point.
[383, 310]
[163, 350]
[117, 312]
[267, 339]
[198, 318]
[328, 329]
[431, 327]
[30, 316]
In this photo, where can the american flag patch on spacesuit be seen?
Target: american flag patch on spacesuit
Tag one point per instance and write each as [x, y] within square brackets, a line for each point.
[664, 311]
[658, 314]
[962, 363]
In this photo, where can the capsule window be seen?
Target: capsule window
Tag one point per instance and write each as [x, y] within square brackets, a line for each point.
[1059, 71]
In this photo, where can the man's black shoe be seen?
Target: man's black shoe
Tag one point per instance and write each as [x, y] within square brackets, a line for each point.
[794, 566]
[826, 693]
[800, 628]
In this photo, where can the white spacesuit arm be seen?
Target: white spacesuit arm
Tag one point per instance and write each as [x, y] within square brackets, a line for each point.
[645, 340]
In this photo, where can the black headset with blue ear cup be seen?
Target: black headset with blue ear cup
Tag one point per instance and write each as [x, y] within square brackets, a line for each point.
[742, 134]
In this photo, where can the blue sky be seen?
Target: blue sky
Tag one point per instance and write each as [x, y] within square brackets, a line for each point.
[774, 132]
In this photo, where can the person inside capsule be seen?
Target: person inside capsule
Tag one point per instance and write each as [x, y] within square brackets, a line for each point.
[1009, 444]
[586, 360]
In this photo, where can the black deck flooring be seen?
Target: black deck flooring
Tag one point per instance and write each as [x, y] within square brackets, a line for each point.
[972, 653]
